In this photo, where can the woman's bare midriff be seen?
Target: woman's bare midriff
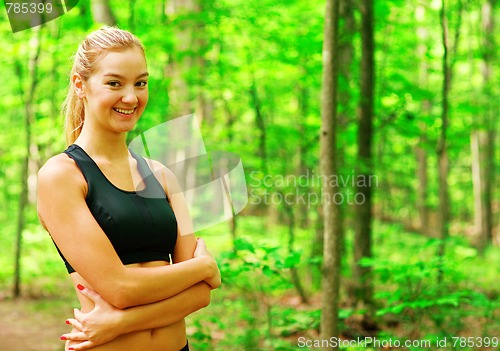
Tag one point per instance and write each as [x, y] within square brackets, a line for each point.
[171, 338]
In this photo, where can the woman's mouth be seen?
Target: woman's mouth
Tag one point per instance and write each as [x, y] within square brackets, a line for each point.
[124, 111]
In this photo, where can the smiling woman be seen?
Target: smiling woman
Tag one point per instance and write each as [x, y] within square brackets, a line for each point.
[115, 82]
[116, 93]
[135, 275]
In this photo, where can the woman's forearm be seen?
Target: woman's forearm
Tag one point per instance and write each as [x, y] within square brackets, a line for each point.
[67, 217]
[165, 312]
[141, 286]
[106, 322]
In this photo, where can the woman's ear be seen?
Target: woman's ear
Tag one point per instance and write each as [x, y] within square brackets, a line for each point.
[79, 85]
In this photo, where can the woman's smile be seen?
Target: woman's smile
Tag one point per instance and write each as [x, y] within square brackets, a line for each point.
[124, 111]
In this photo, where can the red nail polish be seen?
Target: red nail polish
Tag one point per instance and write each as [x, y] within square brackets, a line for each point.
[64, 338]
[80, 287]
[67, 322]
[71, 348]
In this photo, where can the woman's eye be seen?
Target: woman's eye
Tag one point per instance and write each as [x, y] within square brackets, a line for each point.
[142, 84]
[114, 84]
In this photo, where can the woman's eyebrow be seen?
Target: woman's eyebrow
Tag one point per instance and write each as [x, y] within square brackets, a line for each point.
[116, 75]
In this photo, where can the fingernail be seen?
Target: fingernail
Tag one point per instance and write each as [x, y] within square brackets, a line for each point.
[67, 322]
[64, 338]
[71, 348]
[80, 287]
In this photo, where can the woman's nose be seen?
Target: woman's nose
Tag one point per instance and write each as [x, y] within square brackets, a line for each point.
[129, 96]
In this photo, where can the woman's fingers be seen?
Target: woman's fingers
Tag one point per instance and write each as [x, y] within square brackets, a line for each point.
[75, 336]
[75, 323]
[91, 294]
[82, 346]
[78, 315]
[201, 248]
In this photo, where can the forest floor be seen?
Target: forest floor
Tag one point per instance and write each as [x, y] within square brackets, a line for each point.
[36, 325]
[32, 325]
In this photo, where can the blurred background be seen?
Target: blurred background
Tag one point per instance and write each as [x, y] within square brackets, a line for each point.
[410, 200]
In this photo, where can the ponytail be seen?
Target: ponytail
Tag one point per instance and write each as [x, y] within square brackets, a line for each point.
[73, 111]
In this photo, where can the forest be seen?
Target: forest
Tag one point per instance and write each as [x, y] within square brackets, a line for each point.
[368, 135]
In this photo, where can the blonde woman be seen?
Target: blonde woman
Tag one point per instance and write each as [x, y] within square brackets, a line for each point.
[111, 216]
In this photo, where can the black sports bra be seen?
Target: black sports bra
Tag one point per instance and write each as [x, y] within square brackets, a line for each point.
[140, 224]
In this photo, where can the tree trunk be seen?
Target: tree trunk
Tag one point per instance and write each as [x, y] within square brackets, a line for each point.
[482, 220]
[422, 181]
[442, 147]
[101, 12]
[442, 155]
[345, 60]
[260, 124]
[420, 149]
[231, 119]
[303, 146]
[47, 146]
[294, 273]
[362, 241]
[131, 15]
[181, 62]
[317, 250]
[482, 141]
[204, 105]
[328, 142]
[27, 100]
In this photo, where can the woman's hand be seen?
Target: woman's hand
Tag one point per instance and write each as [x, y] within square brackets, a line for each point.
[214, 280]
[96, 327]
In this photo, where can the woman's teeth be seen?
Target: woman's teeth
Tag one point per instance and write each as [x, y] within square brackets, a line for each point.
[125, 112]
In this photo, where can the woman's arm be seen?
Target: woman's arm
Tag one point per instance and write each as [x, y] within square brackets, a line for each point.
[64, 213]
[105, 322]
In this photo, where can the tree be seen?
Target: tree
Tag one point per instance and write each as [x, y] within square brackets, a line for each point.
[182, 62]
[363, 230]
[448, 59]
[420, 148]
[442, 152]
[28, 101]
[345, 50]
[483, 139]
[101, 12]
[328, 142]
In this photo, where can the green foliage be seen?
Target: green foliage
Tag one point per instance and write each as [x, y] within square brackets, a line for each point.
[267, 263]
[410, 291]
[257, 275]
[275, 48]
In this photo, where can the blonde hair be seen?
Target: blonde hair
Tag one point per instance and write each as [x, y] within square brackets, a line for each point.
[94, 47]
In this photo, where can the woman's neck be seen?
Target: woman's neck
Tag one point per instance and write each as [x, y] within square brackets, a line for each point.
[111, 146]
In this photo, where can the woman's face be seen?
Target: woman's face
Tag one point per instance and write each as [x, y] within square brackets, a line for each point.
[116, 93]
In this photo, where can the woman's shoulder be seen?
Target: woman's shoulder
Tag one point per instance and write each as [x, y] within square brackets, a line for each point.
[59, 168]
[164, 176]
[158, 167]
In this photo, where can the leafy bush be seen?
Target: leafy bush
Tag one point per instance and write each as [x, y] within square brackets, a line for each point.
[411, 292]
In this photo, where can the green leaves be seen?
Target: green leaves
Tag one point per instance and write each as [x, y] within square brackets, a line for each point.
[261, 266]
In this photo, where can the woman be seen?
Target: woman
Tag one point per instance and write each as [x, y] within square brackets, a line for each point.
[115, 239]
